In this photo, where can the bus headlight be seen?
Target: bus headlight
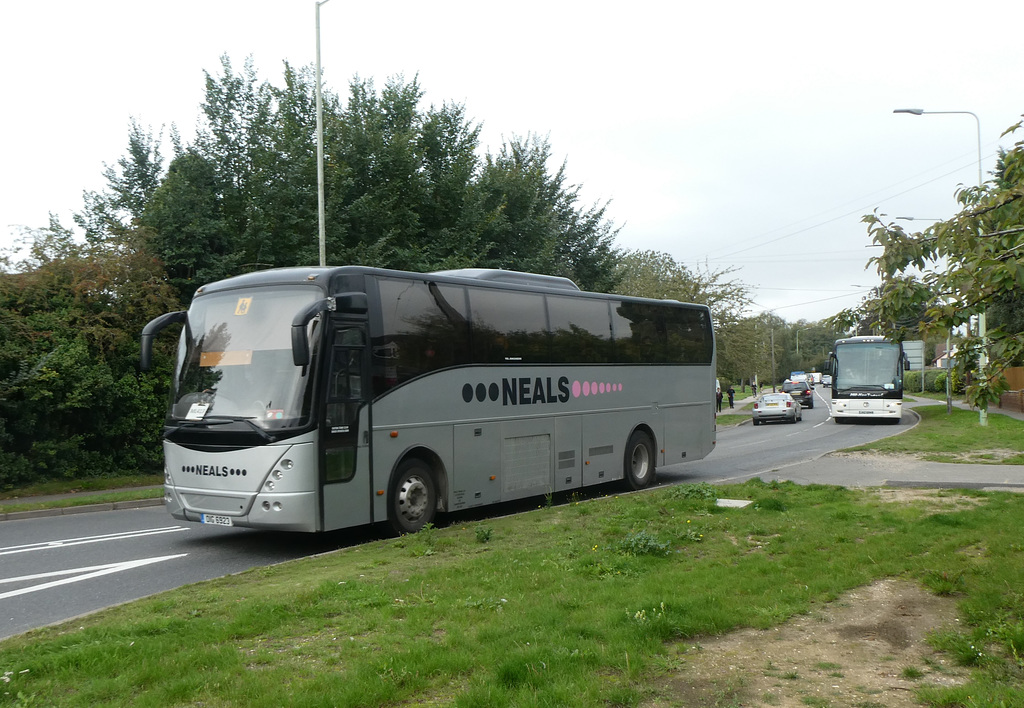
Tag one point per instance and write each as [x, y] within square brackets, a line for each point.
[287, 464]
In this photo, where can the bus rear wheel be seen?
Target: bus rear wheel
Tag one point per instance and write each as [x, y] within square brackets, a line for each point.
[639, 462]
[413, 497]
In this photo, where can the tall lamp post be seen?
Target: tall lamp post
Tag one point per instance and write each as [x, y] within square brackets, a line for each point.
[798, 340]
[322, 230]
[983, 357]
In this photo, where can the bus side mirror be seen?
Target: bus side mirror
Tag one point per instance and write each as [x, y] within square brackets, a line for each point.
[300, 346]
[352, 303]
[153, 328]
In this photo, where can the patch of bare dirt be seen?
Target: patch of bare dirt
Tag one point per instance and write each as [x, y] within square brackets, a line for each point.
[865, 650]
[944, 500]
[993, 456]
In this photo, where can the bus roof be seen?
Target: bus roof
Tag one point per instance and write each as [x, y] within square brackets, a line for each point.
[322, 276]
[868, 339]
[496, 275]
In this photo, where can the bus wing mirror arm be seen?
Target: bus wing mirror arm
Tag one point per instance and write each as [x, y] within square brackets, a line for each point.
[300, 345]
[152, 328]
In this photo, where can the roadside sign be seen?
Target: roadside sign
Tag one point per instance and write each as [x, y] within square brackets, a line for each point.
[915, 352]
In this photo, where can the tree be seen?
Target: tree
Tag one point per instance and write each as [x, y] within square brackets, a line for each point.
[532, 222]
[658, 275]
[955, 270]
[189, 230]
[113, 211]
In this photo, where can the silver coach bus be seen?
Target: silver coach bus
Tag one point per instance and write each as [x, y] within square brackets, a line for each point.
[313, 399]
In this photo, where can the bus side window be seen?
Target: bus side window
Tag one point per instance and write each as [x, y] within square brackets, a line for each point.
[346, 376]
[345, 385]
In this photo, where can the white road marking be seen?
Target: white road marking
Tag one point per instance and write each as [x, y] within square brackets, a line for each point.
[89, 573]
[63, 543]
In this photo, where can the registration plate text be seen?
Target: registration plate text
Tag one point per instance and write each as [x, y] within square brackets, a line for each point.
[216, 519]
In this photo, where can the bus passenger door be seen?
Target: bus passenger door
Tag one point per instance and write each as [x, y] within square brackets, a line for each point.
[345, 429]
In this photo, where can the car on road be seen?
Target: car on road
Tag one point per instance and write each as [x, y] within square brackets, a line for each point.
[800, 392]
[776, 406]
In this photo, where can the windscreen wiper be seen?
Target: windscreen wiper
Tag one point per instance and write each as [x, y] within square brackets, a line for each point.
[225, 419]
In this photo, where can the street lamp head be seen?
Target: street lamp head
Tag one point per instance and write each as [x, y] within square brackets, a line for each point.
[912, 111]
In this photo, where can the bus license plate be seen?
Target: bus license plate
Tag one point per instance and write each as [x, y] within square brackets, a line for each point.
[215, 519]
[866, 412]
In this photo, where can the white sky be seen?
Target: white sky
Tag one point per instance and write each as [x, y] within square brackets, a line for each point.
[745, 134]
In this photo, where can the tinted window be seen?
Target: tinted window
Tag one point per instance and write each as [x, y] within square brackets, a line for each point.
[425, 328]
[653, 334]
[581, 330]
[508, 326]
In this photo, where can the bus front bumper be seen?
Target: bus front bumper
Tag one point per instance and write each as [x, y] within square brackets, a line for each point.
[290, 511]
[867, 408]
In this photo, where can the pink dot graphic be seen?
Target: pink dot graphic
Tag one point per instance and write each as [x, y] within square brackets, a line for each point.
[593, 388]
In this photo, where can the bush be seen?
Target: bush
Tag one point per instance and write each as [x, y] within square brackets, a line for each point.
[72, 403]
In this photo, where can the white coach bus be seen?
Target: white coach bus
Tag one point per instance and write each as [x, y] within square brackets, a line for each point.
[313, 399]
[867, 379]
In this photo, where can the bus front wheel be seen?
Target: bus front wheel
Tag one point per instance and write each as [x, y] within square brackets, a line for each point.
[413, 498]
[639, 462]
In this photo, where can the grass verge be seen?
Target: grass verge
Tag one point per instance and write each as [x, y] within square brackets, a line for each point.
[86, 491]
[741, 415]
[576, 604]
[957, 437]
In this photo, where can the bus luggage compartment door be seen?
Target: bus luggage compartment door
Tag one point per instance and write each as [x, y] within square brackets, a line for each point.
[475, 480]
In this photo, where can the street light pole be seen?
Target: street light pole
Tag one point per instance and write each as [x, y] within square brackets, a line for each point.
[801, 329]
[321, 221]
[983, 357]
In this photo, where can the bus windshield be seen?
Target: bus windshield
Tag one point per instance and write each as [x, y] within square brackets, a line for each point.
[868, 365]
[235, 359]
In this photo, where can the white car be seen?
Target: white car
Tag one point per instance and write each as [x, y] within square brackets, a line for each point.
[776, 406]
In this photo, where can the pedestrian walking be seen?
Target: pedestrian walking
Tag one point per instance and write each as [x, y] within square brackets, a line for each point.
[732, 395]
[719, 400]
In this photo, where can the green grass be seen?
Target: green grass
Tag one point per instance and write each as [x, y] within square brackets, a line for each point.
[87, 491]
[957, 437]
[577, 604]
[93, 484]
[740, 415]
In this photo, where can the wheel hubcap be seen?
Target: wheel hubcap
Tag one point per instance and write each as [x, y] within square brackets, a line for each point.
[641, 462]
[412, 498]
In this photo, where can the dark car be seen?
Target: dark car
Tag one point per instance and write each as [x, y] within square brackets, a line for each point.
[800, 392]
[776, 406]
